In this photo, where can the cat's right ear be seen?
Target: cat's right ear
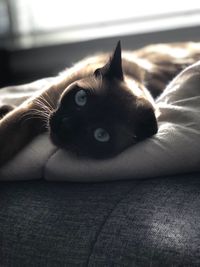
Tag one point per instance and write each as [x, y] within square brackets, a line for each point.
[113, 68]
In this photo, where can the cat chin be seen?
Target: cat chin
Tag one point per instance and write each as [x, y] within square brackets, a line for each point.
[74, 151]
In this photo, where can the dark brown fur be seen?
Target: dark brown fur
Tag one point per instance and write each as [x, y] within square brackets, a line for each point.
[151, 68]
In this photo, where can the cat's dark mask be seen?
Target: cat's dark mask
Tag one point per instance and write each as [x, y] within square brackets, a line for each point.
[99, 116]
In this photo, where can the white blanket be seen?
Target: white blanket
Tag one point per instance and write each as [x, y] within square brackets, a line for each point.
[175, 149]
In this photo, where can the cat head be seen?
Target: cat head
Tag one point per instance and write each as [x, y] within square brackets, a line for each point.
[102, 114]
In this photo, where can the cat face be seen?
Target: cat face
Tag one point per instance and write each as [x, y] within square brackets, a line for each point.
[100, 116]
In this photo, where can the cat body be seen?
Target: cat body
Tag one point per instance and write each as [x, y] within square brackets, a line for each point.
[101, 105]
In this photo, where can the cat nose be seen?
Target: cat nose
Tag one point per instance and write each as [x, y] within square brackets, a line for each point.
[58, 123]
[65, 121]
[71, 125]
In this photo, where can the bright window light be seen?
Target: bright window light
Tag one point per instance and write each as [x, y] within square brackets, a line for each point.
[43, 15]
[81, 20]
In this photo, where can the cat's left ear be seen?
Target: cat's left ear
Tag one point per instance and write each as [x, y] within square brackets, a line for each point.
[113, 69]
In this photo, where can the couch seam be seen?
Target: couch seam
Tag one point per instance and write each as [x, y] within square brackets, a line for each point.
[106, 219]
[46, 161]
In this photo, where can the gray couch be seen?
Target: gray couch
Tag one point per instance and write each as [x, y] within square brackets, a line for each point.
[152, 222]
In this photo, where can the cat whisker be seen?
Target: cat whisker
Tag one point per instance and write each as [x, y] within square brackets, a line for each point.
[32, 116]
[42, 105]
[34, 113]
[48, 101]
[131, 135]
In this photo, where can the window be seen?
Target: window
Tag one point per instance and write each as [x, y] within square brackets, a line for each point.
[89, 19]
[4, 18]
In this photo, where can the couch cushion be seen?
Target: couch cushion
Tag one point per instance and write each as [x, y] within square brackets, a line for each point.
[129, 223]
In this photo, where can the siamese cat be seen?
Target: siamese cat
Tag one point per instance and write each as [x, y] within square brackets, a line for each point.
[99, 107]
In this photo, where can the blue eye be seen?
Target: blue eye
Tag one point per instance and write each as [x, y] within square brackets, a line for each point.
[101, 135]
[81, 98]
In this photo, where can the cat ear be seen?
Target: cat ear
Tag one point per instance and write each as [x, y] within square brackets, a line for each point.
[113, 69]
